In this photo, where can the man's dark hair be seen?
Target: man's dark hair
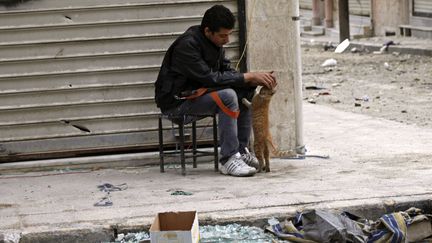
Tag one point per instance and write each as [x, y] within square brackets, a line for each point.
[218, 17]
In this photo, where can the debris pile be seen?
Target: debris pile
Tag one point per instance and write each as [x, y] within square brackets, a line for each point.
[326, 227]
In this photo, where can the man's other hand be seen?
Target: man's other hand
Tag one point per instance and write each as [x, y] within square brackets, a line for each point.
[266, 79]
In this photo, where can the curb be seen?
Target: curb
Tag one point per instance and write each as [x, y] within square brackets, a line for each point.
[373, 47]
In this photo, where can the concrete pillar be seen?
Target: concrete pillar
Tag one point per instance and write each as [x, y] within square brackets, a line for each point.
[344, 26]
[329, 13]
[316, 18]
[274, 45]
[387, 15]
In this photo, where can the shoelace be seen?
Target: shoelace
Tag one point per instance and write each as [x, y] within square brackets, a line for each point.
[247, 158]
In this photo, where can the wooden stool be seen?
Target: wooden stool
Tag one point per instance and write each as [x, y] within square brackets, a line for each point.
[179, 120]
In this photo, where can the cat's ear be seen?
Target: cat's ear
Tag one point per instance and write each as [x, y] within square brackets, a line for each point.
[247, 103]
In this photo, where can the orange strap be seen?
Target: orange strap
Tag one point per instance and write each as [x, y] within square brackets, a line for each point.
[199, 92]
[226, 110]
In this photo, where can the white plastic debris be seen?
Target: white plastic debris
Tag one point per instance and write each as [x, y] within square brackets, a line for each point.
[387, 66]
[329, 63]
[342, 46]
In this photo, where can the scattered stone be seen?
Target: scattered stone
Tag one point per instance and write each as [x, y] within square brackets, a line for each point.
[335, 100]
[328, 46]
[354, 50]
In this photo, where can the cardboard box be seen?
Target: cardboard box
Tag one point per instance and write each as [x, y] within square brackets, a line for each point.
[175, 227]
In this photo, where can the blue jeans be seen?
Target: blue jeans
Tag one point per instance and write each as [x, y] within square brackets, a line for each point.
[234, 133]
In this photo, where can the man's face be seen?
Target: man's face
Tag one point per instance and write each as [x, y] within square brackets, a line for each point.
[219, 38]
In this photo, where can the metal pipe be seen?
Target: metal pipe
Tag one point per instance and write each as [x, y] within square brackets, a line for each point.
[296, 58]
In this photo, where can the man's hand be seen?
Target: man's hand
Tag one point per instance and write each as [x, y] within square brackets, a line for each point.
[259, 78]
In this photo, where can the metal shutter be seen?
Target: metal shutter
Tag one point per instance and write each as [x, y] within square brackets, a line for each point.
[360, 7]
[356, 7]
[422, 8]
[306, 4]
[71, 66]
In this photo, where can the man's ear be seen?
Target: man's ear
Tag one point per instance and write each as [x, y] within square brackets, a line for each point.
[207, 30]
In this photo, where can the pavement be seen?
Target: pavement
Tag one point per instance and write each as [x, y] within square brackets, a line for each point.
[375, 166]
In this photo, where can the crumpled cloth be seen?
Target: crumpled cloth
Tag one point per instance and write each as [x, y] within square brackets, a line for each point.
[319, 226]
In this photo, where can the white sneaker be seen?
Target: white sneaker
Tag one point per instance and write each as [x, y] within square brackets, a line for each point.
[250, 159]
[235, 166]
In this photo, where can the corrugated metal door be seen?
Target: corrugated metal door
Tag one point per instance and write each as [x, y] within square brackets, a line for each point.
[356, 7]
[360, 7]
[422, 8]
[76, 77]
[306, 4]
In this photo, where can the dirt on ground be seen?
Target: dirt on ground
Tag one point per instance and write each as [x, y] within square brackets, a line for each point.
[392, 86]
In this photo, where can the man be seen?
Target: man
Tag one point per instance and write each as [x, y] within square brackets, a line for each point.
[196, 78]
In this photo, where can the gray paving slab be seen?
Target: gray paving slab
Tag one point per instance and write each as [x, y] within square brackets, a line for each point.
[372, 162]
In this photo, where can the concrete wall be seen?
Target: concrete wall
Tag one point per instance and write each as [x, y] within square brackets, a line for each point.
[273, 44]
[387, 15]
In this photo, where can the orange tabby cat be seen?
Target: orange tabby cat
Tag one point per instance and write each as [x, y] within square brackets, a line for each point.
[261, 126]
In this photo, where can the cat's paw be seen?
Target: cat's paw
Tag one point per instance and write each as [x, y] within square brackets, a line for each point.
[247, 103]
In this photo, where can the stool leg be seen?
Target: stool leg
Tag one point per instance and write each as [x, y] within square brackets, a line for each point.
[194, 144]
[215, 144]
[182, 149]
[161, 148]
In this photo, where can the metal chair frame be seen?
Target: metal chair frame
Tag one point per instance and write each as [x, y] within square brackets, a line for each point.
[195, 152]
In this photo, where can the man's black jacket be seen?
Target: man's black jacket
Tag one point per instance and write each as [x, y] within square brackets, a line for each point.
[193, 62]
